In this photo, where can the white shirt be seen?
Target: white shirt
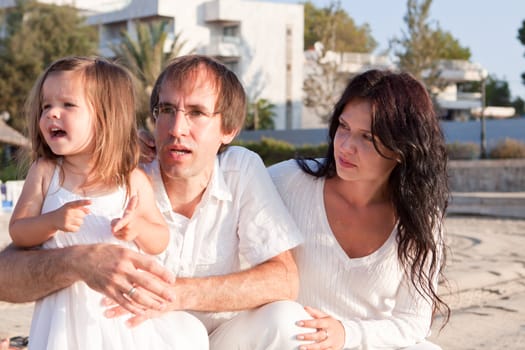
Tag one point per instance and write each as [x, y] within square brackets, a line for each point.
[241, 218]
[371, 295]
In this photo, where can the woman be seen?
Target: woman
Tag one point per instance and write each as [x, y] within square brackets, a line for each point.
[371, 213]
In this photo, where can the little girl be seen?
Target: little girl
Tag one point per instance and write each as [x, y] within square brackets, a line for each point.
[84, 188]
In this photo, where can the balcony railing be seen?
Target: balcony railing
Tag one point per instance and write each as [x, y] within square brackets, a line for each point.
[227, 48]
[460, 70]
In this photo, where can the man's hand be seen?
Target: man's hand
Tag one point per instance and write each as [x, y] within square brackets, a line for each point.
[114, 270]
[180, 287]
[148, 152]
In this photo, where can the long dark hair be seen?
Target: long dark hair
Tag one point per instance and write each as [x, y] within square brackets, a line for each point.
[404, 120]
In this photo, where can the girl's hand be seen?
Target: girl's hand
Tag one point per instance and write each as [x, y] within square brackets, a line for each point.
[114, 310]
[70, 216]
[123, 228]
[328, 332]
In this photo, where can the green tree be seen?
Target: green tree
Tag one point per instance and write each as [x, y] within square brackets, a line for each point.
[521, 38]
[333, 27]
[497, 92]
[519, 105]
[145, 56]
[424, 43]
[260, 115]
[37, 34]
[329, 31]
[449, 47]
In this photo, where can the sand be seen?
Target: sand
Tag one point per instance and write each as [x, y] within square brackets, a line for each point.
[486, 272]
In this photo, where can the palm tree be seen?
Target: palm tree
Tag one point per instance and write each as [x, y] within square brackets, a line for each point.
[260, 115]
[145, 57]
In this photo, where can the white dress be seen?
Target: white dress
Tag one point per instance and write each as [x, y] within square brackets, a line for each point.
[73, 318]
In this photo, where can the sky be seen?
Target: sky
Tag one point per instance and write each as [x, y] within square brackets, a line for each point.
[489, 28]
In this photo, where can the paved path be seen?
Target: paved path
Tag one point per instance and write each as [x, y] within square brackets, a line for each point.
[486, 272]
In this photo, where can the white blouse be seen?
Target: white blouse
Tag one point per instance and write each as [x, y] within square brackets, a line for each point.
[370, 295]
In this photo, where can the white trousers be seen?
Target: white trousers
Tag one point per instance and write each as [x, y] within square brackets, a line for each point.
[424, 345]
[190, 333]
[270, 327]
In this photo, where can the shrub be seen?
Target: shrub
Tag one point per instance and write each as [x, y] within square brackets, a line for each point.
[318, 151]
[9, 172]
[463, 151]
[13, 163]
[273, 151]
[508, 148]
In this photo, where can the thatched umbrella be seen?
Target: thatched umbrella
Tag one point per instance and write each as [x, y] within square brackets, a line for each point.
[11, 136]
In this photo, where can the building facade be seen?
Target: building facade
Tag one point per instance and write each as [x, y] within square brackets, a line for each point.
[453, 101]
[262, 42]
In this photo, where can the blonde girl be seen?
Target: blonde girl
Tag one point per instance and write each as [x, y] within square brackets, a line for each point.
[83, 187]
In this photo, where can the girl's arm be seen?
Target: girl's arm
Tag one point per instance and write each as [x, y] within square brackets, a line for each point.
[142, 220]
[27, 226]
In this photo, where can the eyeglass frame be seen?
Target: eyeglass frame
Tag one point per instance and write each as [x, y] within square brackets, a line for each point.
[187, 113]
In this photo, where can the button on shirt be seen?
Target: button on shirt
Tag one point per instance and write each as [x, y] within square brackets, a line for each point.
[241, 218]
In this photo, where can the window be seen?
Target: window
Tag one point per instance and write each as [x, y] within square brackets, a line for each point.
[230, 34]
[113, 32]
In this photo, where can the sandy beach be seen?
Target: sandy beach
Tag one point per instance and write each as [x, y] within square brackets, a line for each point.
[486, 272]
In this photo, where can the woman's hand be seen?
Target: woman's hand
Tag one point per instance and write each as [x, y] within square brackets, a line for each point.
[329, 332]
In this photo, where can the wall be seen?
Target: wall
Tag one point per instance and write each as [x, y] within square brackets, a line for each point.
[469, 131]
[506, 175]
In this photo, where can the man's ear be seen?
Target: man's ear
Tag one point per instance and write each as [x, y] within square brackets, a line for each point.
[227, 138]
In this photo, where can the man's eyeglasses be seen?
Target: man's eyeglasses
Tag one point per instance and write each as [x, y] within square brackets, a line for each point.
[192, 115]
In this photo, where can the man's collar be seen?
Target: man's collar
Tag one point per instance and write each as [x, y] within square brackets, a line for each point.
[217, 187]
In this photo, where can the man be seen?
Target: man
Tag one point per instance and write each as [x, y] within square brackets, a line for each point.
[223, 211]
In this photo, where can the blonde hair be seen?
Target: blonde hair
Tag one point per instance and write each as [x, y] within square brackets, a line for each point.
[109, 90]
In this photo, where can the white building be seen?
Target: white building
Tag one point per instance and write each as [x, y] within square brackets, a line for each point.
[261, 41]
[456, 104]
[453, 103]
[348, 64]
